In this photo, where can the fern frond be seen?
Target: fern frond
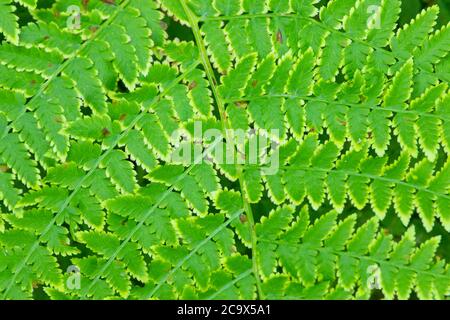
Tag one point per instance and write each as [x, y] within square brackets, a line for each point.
[330, 249]
[357, 111]
[231, 32]
[317, 171]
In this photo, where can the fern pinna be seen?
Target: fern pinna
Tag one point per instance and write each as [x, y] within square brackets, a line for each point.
[95, 206]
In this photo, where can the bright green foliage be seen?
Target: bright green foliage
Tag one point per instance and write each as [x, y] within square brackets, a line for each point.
[94, 205]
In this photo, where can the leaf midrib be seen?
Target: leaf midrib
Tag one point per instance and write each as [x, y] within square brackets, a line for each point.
[194, 24]
[319, 23]
[368, 176]
[363, 257]
[395, 109]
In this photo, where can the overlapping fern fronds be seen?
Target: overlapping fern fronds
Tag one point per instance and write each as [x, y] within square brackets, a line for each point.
[89, 190]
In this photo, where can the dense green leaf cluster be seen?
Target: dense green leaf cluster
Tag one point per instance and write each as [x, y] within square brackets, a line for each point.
[93, 205]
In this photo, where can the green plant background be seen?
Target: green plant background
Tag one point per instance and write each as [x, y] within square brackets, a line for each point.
[392, 224]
